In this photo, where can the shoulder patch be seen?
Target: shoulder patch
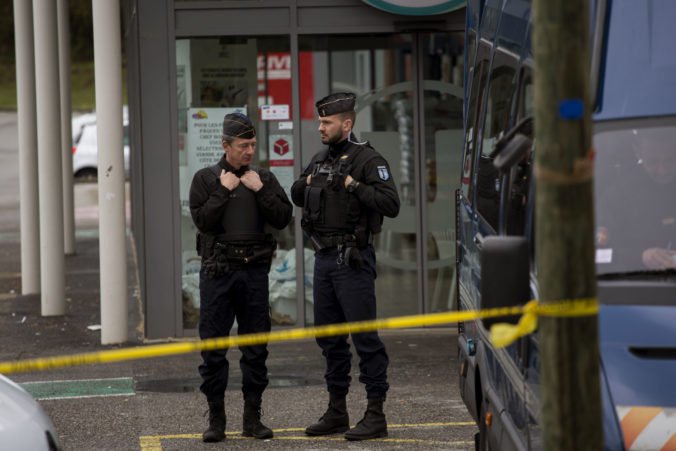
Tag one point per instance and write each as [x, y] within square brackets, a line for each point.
[383, 173]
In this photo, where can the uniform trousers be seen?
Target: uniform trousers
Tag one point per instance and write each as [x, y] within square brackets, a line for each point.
[345, 294]
[241, 294]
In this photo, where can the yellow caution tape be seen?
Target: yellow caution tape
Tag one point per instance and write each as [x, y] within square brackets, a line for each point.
[503, 334]
[532, 309]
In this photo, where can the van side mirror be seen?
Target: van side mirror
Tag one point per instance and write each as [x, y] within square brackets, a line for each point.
[514, 145]
[505, 275]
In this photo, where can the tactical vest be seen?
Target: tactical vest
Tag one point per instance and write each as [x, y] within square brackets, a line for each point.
[329, 208]
[241, 219]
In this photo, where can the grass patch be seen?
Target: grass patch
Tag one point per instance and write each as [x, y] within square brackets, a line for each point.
[82, 86]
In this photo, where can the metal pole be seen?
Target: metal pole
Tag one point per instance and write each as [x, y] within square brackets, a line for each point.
[49, 158]
[66, 132]
[28, 147]
[112, 226]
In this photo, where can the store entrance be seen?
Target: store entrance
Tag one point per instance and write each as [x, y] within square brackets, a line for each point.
[409, 88]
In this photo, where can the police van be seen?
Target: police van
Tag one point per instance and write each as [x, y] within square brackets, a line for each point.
[633, 74]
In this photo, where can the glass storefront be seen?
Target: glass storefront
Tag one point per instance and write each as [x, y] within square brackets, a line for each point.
[409, 89]
[216, 76]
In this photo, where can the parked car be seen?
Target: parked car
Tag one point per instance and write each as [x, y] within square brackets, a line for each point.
[23, 423]
[634, 130]
[85, 148]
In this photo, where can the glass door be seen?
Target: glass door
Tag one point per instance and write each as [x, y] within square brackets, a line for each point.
[409, 107]
[440, 93]
[217, 76]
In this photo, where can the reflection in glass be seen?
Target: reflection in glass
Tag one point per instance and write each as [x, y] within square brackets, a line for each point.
[443, 141]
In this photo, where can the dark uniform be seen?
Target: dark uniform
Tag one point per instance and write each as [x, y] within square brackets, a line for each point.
[340, 223]
[236, 256]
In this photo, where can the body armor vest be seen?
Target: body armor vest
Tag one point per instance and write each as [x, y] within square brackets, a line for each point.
[329, 208]
[241, 218]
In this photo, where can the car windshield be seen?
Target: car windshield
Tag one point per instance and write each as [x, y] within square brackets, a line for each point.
[635, 196]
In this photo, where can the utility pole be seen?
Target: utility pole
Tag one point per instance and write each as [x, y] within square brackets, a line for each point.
[569, 350]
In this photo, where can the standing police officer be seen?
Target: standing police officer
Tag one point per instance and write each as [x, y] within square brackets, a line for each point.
[344, 192]
[230, 203]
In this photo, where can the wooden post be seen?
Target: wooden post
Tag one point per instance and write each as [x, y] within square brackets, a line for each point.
[569, 349]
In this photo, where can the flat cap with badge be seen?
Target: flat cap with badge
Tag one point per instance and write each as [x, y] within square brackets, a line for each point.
[339, 102]
[238, 125]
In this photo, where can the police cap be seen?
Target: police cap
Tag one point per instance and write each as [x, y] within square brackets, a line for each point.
[339, 102]
[238, 125]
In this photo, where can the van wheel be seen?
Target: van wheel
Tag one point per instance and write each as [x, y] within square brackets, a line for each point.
[88, 175]
[481, 442]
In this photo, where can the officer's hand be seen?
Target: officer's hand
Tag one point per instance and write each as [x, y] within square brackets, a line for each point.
[252, 180]
[657, 258]
[229, 180]
[309, 179]
[348, 180]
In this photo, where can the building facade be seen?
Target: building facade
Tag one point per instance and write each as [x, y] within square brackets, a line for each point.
[191, 62]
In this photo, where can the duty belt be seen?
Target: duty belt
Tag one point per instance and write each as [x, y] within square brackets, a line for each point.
[326, 243]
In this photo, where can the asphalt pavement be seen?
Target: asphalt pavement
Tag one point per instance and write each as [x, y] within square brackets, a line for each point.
[155, 404]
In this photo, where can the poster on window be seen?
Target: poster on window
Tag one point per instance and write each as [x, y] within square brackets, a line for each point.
[223, 74]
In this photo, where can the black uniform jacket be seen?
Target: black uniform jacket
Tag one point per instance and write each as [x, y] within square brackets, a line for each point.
[376, 191]
[208, 199]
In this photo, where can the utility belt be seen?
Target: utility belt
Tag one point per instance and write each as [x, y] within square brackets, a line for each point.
[326, 243]
[222, 253]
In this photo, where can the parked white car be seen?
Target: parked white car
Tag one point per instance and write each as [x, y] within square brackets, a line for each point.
[85, 149]
[23, 423]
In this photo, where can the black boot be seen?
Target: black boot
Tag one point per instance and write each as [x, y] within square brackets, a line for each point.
[335, 419]
[373, 425]
[216, 430]
[252, 426]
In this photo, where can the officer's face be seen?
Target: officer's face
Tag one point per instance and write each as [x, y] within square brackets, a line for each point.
[240, 152]
[333, 129]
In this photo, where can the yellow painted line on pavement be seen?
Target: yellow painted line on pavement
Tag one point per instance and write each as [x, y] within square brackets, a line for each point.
[154, 442]
[568, 308]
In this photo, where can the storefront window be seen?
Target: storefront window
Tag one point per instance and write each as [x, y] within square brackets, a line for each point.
[216, 76]
[378, 69]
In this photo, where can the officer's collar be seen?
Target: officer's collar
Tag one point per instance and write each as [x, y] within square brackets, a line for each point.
[230, 168]
[338, 148]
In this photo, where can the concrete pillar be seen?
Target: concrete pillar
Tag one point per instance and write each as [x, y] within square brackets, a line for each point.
[28, 147]
[49, 157]
[66, 133]
[112, 224]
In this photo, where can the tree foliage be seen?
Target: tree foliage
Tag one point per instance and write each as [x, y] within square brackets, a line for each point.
[81, 30]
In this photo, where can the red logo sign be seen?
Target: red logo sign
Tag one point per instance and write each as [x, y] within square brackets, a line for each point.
[281, 147]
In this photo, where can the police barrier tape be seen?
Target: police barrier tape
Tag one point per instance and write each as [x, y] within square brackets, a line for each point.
[501, 334]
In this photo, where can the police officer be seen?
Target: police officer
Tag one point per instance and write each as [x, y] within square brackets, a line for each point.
[230, 203]
[344, 192]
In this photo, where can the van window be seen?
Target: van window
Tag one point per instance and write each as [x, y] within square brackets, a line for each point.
[520, 174]
[475, 99]
[496, 121]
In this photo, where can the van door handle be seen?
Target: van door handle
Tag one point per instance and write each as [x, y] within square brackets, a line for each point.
[478, 240]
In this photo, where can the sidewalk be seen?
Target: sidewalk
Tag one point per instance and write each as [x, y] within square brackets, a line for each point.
[27, 334]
